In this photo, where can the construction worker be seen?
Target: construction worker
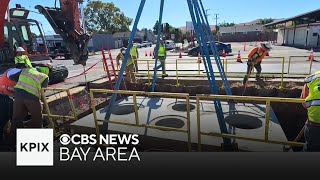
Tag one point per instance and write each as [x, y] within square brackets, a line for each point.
[6, 101]
[255, 58]
[22, 58]
[311, 94]
[7, 93]
[162, 55]
[129, 66]
[27, 95]
[135, 55]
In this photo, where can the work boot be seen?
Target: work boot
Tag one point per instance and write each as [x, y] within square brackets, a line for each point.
[164, 75]
[258, 78]
[245, 79]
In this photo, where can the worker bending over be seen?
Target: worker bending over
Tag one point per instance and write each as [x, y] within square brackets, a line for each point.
[311, 94]
[27, 97]
[130, 76]
[255, 58]
[6, 100]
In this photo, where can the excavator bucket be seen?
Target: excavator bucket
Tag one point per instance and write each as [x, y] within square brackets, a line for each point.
[65, 21]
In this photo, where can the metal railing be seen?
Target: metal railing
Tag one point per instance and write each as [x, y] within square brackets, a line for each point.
[199, 98]
[268, 101]
[136, 112]
[49, 115]
[305, 59]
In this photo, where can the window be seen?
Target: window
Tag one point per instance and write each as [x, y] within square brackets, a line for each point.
[6, 34]
[25, 33]
[315, 34]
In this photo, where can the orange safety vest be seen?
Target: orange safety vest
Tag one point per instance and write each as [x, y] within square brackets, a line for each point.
[256, 57]
[6, 85]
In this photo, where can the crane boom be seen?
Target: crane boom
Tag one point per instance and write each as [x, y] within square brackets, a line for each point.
[65, 21]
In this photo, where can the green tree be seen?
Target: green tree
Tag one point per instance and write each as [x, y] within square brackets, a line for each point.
[155, 27]
[265, 21]
[105, 18]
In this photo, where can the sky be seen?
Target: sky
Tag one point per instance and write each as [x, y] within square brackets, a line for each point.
[176, 12]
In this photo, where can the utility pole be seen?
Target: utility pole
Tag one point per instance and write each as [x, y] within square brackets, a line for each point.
[207, 13]
[216, 18]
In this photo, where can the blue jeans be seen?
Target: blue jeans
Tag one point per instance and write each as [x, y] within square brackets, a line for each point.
[312, 138]
[6, 107]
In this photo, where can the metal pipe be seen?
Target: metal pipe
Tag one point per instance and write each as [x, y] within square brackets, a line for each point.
[123, 66]
[157, 46]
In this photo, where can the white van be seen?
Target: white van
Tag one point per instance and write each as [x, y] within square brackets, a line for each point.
[169, 44]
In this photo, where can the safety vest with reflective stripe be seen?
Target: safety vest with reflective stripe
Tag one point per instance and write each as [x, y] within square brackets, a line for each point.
[6, 85]
[257, 55]
[44, 70]
[30, 80]
[312, 102]
[161, 51]
[133, 51]
[23, 60]
[130, 59]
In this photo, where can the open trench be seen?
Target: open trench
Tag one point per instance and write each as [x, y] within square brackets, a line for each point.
[291, 116]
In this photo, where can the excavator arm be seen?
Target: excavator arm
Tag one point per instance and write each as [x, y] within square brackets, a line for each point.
[65, 21]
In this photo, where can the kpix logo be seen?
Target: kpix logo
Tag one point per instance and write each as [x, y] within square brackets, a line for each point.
[34, 147]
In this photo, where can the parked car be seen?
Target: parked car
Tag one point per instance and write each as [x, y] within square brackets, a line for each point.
[138, 45]
[169, 44]
[220, 47]
[59, 51]
[146, 44]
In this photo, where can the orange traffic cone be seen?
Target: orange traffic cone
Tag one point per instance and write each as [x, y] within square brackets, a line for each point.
[311, 56]
[267, 54]
[150, 54]
[180, 55]
[239, 57]
[146, 54]
[199, 58]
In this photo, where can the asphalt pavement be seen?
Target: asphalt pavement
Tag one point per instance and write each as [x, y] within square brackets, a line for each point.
[95, 69]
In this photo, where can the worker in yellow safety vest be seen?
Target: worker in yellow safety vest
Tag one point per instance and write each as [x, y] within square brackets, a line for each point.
[27, 98]
[135, 55]
[162, 55]
[22, 58]
[311, 94]
[130, 76]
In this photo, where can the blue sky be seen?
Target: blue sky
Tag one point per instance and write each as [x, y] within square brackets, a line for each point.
[176, 11]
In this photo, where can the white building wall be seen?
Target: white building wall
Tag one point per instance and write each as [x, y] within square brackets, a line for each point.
[248, 28]
[290, 34]
[280, 36]
[300, 38]
[313, 35]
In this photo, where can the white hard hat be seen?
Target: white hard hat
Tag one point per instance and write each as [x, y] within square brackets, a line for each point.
[266, 46]
[20, 49]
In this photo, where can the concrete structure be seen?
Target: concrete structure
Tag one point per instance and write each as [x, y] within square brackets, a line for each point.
[300, 31]
[167, 112]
